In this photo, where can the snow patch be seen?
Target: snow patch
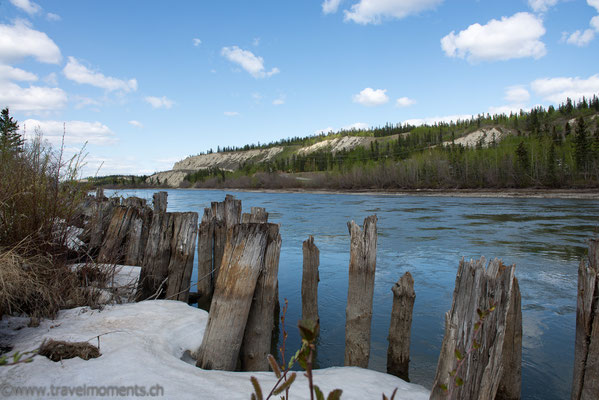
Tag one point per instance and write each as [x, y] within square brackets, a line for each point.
[143, 344]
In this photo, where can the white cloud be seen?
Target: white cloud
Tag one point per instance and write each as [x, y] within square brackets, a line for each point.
[517, 94]
[8, 73]
[19, 41]
[159, 102]
[330, 6]
[248, 61]
[197, 42]
[404, 102]
[136, 124]
[557, 90]
[357, 126]
[53, 17]
[595, 23]
[31, 99]
[511, 37]
[594, 3]
[28, 6]
[507, 109]
[581, 38]
[279, 100]
[373, 11]
[79, 73]
[231, 113]
[435, 120]
[541, 5]
[76, 132]
[86, 101]
[371, 97]
[51, 79]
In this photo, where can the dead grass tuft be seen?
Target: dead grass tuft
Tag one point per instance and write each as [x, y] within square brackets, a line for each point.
[58, 350]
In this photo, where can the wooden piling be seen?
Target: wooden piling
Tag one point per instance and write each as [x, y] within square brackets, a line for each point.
[242, 259]
[183, 245]
[205, 259]
[481, 351]
[358, 313]
[259, 328]
[310, 279]
[585, 383]
[398, 352]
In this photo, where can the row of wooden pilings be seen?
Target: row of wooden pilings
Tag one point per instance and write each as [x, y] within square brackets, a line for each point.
[238, 257]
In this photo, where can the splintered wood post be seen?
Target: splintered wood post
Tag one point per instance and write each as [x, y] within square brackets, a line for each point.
[205, 259]
[398, 352]
[183, 246]
[226, 215]
[259, 328]
[585, 384]
[310, 281]
[358, 313]
[101, 215]
[139, 229]
[258, 215]
[154, 271]
[160, 202]
[241, 264]
[481, 354]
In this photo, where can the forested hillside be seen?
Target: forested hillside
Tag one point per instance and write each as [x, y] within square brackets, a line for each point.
[545, 148]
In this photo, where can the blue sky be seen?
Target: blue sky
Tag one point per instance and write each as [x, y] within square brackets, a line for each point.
[147, 83]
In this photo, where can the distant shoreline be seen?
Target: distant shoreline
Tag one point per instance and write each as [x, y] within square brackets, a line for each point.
[582, 194]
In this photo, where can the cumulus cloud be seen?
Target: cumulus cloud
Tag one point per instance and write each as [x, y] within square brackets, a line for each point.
[517, 94]
[557, 90]
[197, 42]
[374, 11]
[330, 6]
[404, 102]
[79, 73]
[19, 41]
[580, 38]
[76, 132]
[51, 79]
[371, 97]
[136, 124]
[594, 4]
[159, 102]
[28, 6]
[35, 99]
[248, 61]
[541, 5]
[325, 130]
[435, 120]
[356, 126]
[231, 113]
[8, 73]
[511, 37]
[595, 23]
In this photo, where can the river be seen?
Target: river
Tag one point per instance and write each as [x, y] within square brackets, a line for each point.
[428, 236]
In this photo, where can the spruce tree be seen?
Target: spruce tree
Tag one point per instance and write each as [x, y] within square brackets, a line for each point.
[582, 145]
[10, 139]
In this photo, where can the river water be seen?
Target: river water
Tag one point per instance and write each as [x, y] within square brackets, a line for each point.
[428, 236]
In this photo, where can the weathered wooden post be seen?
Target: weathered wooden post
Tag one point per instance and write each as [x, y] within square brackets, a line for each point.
[138, 231]
[358, 314]
[481, 354]
[99, 216]
[242, 259]
[310, 281]
[259, 328]
[183, 245]
[168, 258]
[585, 384]
[398, 352]
[212, 238]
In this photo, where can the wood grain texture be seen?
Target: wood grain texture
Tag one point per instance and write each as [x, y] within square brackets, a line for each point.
[585, 382]
[243, 258]
[183, 246]
[310, 279]
[497, 362]
[358, 313]
[398, 352]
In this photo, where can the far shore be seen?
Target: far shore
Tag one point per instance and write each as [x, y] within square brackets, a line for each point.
[583, 194]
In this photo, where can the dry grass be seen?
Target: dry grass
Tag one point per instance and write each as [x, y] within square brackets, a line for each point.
[57, 350]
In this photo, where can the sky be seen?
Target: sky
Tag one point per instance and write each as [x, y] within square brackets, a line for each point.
[140, 85]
